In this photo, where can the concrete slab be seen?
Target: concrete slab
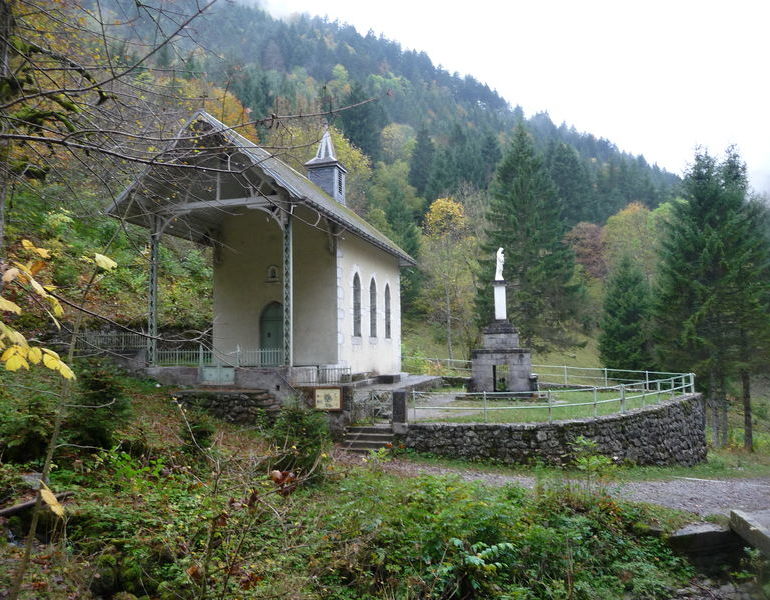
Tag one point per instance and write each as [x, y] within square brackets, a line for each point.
[710, 547]
[754, 527]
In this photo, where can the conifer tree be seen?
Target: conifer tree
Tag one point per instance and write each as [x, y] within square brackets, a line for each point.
[362, 125]
[624, 342]
[712, 303]
[525, 216]
[422, 162]
[572, 182]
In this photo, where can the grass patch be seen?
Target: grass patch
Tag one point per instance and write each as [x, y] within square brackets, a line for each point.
[568, 404]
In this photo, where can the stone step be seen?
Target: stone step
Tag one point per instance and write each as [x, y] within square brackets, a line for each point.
[383, 438]
[364, 438]
[363, 446]
[369, 429]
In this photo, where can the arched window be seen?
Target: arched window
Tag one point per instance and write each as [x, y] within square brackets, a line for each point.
[356, 306]
[373, 309]
[387, 311]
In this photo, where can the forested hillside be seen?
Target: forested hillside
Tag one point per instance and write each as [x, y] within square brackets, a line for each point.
[307, 63]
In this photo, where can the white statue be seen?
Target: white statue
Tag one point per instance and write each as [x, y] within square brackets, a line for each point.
[499, 265]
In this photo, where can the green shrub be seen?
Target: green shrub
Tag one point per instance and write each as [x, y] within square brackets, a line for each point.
[27, 411]
[197, 431]
[102, 405]
[301, 436]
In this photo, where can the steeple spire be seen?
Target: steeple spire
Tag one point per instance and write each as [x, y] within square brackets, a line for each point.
[326, 171]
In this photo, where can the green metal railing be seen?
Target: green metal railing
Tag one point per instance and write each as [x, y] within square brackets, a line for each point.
[582, 401]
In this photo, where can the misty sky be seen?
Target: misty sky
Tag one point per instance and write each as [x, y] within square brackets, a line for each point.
[656, 78]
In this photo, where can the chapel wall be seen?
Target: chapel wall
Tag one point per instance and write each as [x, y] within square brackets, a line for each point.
[379, 355]
[250, 243]
[315, 292]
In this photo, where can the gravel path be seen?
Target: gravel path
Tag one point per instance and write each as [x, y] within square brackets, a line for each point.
[700, 496]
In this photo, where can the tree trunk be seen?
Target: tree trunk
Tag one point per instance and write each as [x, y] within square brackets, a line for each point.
[449, 323]
[6, 28]
[748, 429]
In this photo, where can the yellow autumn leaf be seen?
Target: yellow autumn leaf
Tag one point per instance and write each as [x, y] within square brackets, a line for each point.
[39, 289]
[16, 338]
[16, 362]
[105, 262]
[58, 311]
[65, 371]
[9, 306]
[10, 275]
[34, 355]
[12, 351]
[43, 253]
[51, 501]
[52, 362]
[27, 245]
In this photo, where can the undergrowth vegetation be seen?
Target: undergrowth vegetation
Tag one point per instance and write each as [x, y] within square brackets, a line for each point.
[181, 506]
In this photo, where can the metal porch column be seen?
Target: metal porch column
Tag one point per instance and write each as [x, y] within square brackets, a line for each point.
[288, 291]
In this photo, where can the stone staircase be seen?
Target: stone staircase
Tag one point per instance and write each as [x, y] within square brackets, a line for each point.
[361, 439]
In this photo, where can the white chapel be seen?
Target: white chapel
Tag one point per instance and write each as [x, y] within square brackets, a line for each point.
[300, 280]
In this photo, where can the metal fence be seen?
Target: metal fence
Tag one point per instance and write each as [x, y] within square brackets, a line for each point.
[547, 374]
[112, 341]
[550, 404]
[313, 375]
[370, 406]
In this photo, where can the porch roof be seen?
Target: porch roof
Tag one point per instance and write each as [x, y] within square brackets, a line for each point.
[183, 187]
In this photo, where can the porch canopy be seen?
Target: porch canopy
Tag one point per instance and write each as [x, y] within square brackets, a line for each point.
[208, 174]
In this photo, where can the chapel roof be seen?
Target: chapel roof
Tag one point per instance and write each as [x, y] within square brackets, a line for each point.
[153, 192]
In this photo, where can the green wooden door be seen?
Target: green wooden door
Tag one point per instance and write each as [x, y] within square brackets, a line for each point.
[271, 334]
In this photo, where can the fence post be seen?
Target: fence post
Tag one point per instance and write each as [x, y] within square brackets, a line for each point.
[606, 382]
[550, 408]
[414, 406]
[566, 380]
[200, 355]
[622, 397]
[657, 399]
[671, 386]
[484, 396]
[692, 383]
[646, 380]
[596, 404]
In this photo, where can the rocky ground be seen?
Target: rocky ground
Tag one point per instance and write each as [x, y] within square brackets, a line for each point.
[700, 496]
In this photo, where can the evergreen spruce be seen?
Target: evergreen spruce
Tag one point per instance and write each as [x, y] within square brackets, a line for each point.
[525, 216]
[712, 303]
[362, 125]
[422, 162]
[624, 342]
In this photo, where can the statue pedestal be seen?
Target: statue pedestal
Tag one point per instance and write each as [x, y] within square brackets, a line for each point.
[501, 313]
[500, 365]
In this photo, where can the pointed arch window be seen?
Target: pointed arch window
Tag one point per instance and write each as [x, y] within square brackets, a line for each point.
[387, 311]
[356, 306]
[373, 309]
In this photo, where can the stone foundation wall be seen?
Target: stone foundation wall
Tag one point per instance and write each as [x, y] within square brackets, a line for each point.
[237, 406]
[670, 433]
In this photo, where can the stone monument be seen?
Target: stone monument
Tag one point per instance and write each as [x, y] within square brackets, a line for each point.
[500, 365]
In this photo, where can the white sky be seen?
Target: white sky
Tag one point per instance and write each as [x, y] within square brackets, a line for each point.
[655, 77]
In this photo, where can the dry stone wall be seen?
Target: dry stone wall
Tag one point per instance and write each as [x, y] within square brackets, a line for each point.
[237, 406]
[670, 433]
